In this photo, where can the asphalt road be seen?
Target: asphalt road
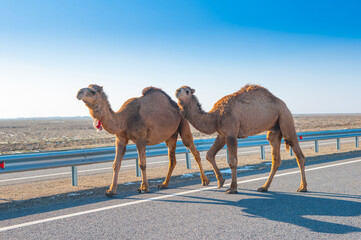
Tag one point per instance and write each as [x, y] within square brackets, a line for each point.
[58, 173]
[330, 210]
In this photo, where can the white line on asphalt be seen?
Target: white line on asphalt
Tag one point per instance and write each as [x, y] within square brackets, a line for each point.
[158, 198]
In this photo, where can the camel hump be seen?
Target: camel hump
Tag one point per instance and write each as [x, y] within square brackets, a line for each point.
[251, 88]
[149, 90]
[254, 90]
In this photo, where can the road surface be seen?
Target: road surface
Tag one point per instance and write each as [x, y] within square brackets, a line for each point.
[330, 210]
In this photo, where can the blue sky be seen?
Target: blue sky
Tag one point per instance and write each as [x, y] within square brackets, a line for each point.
[307, 53]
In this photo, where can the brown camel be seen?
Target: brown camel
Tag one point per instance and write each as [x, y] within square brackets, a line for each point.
[247, 112]
[147, 120]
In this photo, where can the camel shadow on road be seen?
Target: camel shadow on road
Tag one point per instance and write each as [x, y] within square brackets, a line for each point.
[316, 211]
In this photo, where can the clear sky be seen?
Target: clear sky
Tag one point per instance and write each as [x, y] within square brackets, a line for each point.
[307, 53]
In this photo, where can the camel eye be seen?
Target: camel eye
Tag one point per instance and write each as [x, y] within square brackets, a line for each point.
[92, 91]
[187, 92]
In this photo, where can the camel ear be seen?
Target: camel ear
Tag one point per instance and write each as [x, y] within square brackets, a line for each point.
[193, 91]
[96, 88]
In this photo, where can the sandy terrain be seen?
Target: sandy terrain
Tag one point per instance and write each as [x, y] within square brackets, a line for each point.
[53, 134]
[28, 135]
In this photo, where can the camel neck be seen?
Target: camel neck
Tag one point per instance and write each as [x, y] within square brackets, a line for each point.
[110, 121]
[205, 122]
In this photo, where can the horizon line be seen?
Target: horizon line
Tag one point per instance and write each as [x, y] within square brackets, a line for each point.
[57, 117]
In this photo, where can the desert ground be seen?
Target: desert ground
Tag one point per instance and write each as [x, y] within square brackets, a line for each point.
[48, 134]
[34, 135]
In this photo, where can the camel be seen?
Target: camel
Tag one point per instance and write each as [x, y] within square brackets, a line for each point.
[147, 120]
[250, 111]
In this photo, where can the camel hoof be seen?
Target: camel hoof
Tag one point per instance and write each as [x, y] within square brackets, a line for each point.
[109, 193]
[262, 189]
[206, 182]
[141, 190]
[302, 190]
[231, 191]
[220, 183]
[162, 186]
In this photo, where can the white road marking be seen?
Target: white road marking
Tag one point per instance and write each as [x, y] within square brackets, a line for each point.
[158, 198]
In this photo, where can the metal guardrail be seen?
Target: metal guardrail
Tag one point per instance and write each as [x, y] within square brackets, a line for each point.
[74, 158]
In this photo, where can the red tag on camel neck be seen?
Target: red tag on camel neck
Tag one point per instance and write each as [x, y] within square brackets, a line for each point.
[99, 126]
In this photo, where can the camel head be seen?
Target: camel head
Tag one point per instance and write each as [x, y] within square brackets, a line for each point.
[184, 94]
[90, 95]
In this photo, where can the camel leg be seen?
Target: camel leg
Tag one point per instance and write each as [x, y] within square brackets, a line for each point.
[171, 144]
[233, 162]
[301, 164]
[274, 139]
[142, 165]
[289, 134]
[187, 138]
[120, 146]
[211, 157]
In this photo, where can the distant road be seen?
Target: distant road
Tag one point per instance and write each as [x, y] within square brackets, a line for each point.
[57, 173]
[330, 210]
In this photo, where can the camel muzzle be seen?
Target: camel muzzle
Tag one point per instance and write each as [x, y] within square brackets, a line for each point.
[81, 94]
[177, 92]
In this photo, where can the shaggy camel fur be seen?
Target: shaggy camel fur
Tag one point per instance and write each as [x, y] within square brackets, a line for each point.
[247, 112]
[147, 120]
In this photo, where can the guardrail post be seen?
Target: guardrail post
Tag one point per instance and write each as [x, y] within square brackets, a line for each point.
[316, 146]
[74, 176]
[338, 144]
[188, 160]
[291, 152]
[263, 153]
[137, 168]
[356, 142]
